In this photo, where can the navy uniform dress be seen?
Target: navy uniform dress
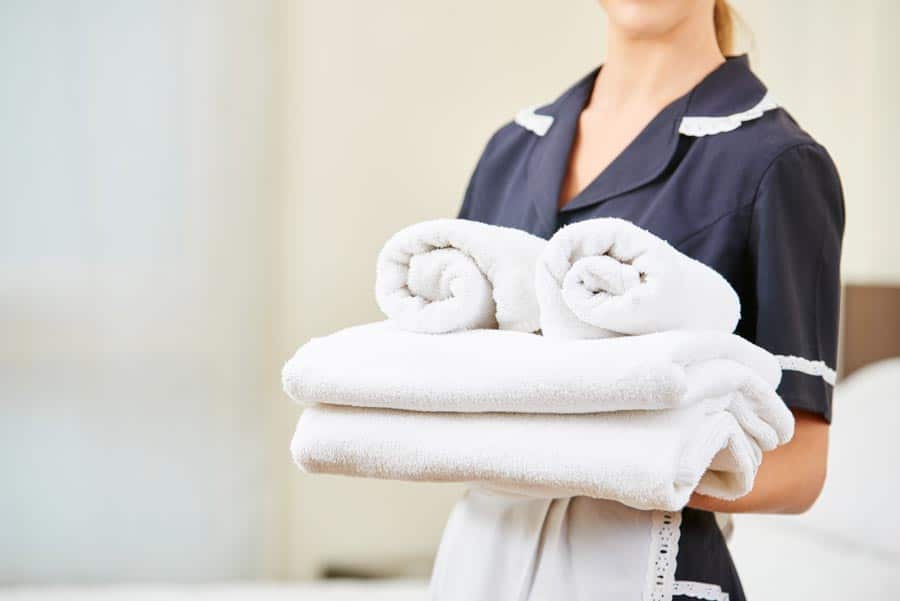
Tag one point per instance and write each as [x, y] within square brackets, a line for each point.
[726, 177]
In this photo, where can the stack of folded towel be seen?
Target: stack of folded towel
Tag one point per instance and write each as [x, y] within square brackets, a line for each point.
[598, 363]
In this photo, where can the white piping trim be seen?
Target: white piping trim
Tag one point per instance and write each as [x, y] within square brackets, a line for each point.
[665, 531]
[699, 590]
[533, 122]
[708, 126]
[808, 367]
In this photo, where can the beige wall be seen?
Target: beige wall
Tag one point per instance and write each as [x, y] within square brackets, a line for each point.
[393, 101]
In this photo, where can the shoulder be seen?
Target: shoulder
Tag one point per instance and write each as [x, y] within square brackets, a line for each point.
[516, 136]
[796, 174]
[769, 178]
[503, 161]
[771, 152]
[509, 139]
[797, 198]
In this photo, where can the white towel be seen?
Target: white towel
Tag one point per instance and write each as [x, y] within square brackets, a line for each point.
[608, 277]
[448, 275]
[380, 365]
[660, 414]
[644, 459]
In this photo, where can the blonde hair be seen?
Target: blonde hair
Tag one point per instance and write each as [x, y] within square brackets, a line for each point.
[723, 21]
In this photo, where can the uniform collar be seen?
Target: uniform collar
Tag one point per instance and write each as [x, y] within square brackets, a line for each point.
[727, 97]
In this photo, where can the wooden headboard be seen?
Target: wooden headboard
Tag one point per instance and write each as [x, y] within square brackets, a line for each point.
[870, 328]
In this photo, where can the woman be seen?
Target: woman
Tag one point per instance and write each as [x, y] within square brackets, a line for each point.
[675, 137]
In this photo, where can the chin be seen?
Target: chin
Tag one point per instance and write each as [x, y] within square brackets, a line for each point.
[649, 18]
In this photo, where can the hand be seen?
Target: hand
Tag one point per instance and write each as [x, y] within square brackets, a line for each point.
[790, 477]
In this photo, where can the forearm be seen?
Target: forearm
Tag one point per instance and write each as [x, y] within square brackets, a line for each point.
[789, 479]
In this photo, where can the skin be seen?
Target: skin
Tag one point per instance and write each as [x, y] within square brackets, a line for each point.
[658, 50]
[790, 477]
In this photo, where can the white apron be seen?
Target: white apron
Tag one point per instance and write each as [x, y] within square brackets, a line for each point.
[500, 546]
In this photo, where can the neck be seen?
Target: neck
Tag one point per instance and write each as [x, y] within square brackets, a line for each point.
[656, 70]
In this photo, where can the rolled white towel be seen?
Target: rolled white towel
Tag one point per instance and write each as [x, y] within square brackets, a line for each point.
[449, 275]
[608, 277]
[380, 365]
[644, 459]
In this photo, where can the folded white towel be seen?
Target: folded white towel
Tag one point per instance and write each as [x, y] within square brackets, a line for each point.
[644, 459]
[608, 277]
[380, 365]
[448, 275]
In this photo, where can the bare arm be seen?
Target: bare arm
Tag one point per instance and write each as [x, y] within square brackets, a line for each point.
[789, 479]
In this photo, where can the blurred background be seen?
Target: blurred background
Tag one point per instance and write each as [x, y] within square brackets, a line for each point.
[190, 190]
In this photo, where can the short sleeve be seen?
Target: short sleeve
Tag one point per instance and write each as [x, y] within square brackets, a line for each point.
[795, 236]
